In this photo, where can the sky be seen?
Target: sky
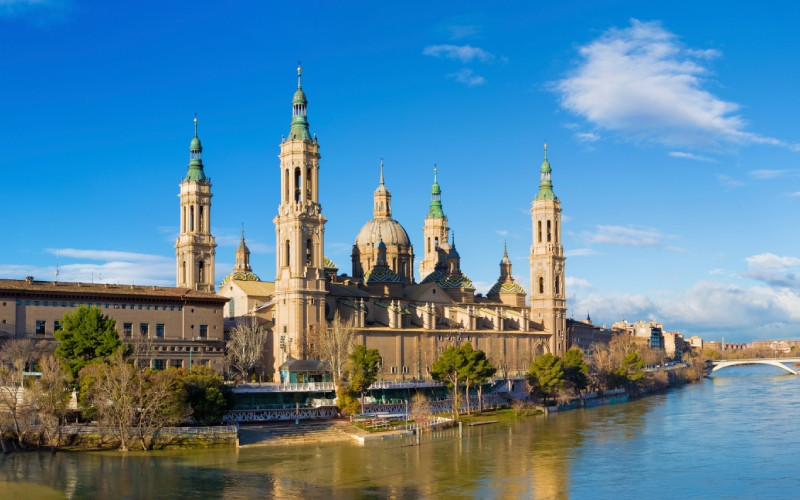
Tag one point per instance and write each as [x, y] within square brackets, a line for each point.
[672, 131]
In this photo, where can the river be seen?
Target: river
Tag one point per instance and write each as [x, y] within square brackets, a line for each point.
[730, 436]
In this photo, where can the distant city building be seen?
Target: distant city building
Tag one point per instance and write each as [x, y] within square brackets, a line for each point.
[585, 335]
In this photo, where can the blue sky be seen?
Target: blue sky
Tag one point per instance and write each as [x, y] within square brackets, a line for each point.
[672, 131]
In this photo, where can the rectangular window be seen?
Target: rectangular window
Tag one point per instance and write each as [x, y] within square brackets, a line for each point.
[55, 304]
[203, 331]
[123, 306]
[159, 364]
[56, 326]
[146, 307]
[27, 302]
[127, 328]
[143, 328]
[160, 330]
[63, 304]
[106, 306]
[36, 302]
[19, 302]
[40, 327]
[180, 308]
[405, 369]
[45, 303]
[140, 307]
[171, 308]
[176, 363]
[72, 304]
[163, 308]
[394, 369]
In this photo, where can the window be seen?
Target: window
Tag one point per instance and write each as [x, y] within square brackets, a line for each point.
[27, 302]
[160, 330]
[127, 328]
[405, 369]
[40, 327]
[558, 286]
[19, 302]
[159, 364]
[171, 308]
[147, 307]
[36, 302]
[72, 304]
[56, 326]
[45, 303]
[180, 308]
[143, 329]
[63, 304]
[541, 285]
[140, 307]
[176, 363]
[394, 369]
[548, 232]
[54, 304]
[231, 308]
[203, 331]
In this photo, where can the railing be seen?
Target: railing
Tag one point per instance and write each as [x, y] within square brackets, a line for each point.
[287, 387]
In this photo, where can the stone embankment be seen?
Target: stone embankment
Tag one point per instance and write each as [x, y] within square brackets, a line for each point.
[101, 438]
[281, 434]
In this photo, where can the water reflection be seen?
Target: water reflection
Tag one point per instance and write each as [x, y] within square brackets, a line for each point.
[728, 435]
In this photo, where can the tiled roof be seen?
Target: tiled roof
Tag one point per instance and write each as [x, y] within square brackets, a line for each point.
[103, 290]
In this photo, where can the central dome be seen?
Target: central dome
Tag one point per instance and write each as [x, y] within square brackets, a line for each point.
[385, 228]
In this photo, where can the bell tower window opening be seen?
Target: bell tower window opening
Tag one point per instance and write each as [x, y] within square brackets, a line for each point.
[540, 231]
[541, 285]
[436, 242]
[558, 286]
[201, 223]
[555, 231]
[183, 272]
[308, 253]
[297, 184]
[183, 221]
[549, 236]
[286, 253]
[191, 218]
[201, 271]
[308, 183]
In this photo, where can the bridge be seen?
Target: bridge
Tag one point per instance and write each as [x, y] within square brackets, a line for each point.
[719, 364]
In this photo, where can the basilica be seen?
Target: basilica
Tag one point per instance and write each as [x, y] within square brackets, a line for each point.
[410, 322]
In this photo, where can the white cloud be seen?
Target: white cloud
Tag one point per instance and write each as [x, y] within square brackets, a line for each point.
[580, 252]
[728, 181]
[101, 266]
[459, 31]
[626, 236]
[642, 83]
[774, 270]
[502, 232]
[467, 77]
[587, 136]
[691, 156]
[463, 53]
[764, 174]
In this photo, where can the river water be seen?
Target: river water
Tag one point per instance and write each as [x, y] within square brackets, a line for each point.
[730, 436]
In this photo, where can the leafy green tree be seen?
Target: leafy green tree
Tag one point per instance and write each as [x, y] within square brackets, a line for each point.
[576, 370]
[478, 371]
[346, 399]
[630, 370]
[546, 375]
[85, 335]
[204, 392]
[450, 368]
[362, 370]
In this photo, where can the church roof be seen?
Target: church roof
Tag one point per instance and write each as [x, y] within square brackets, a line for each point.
[426, 292]
[385, 228]
[240, 276]
[507, 287]
[381, 275]
[444, 281]
[256, 288]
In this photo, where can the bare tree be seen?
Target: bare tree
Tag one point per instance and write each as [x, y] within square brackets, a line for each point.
[336, 343]
[15, 354]
[246, 344]
[51, 396]
[162, 402]
[113, 394]
[420, 407]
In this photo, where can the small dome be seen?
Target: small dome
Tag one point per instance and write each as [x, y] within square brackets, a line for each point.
[453, 253]
[195, 146]
[390, 231]
[299, 97]
[382, 190]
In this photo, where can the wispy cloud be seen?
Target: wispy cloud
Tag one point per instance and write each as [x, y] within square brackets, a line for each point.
[100, 266]
[467, 77]
[459, 31]
[728, 182]
[463, 53]
[641, 82]
[627, 236]
[587, 136]
[580, 252]
[774, 270]
[765, 174]
[691, 156]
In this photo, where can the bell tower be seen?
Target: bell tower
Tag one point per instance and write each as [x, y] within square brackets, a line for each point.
[299, 241]
[548, 299]
[194, 248]
[435, 234]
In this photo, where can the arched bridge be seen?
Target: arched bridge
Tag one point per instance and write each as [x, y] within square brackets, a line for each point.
[782, 363]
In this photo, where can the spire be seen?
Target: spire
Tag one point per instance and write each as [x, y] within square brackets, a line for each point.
[299, 130]
[505, 260]
[195, 172]
[435, 211]
[380, 260]
[545, 184]
[383, 199]
[242, 256]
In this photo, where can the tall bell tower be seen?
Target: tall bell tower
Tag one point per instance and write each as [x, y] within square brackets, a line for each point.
[548, 299]
[194, 248]
[299, 241]
[435, 233]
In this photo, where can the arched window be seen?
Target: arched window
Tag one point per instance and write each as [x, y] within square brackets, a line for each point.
[308, 183]
[541, 285]
[555, 231]
[297, 184]
[286, 185]
[548, 232]
[558, 286]
[201, 271]
[286, 253]
[183, 220]
[540, 231]
[201, 225]
[308, 252]
[436, 242]
[191, 218]
[429, 245]
[183, 272]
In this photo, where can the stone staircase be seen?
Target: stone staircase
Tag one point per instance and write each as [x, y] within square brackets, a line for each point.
[290, 434]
